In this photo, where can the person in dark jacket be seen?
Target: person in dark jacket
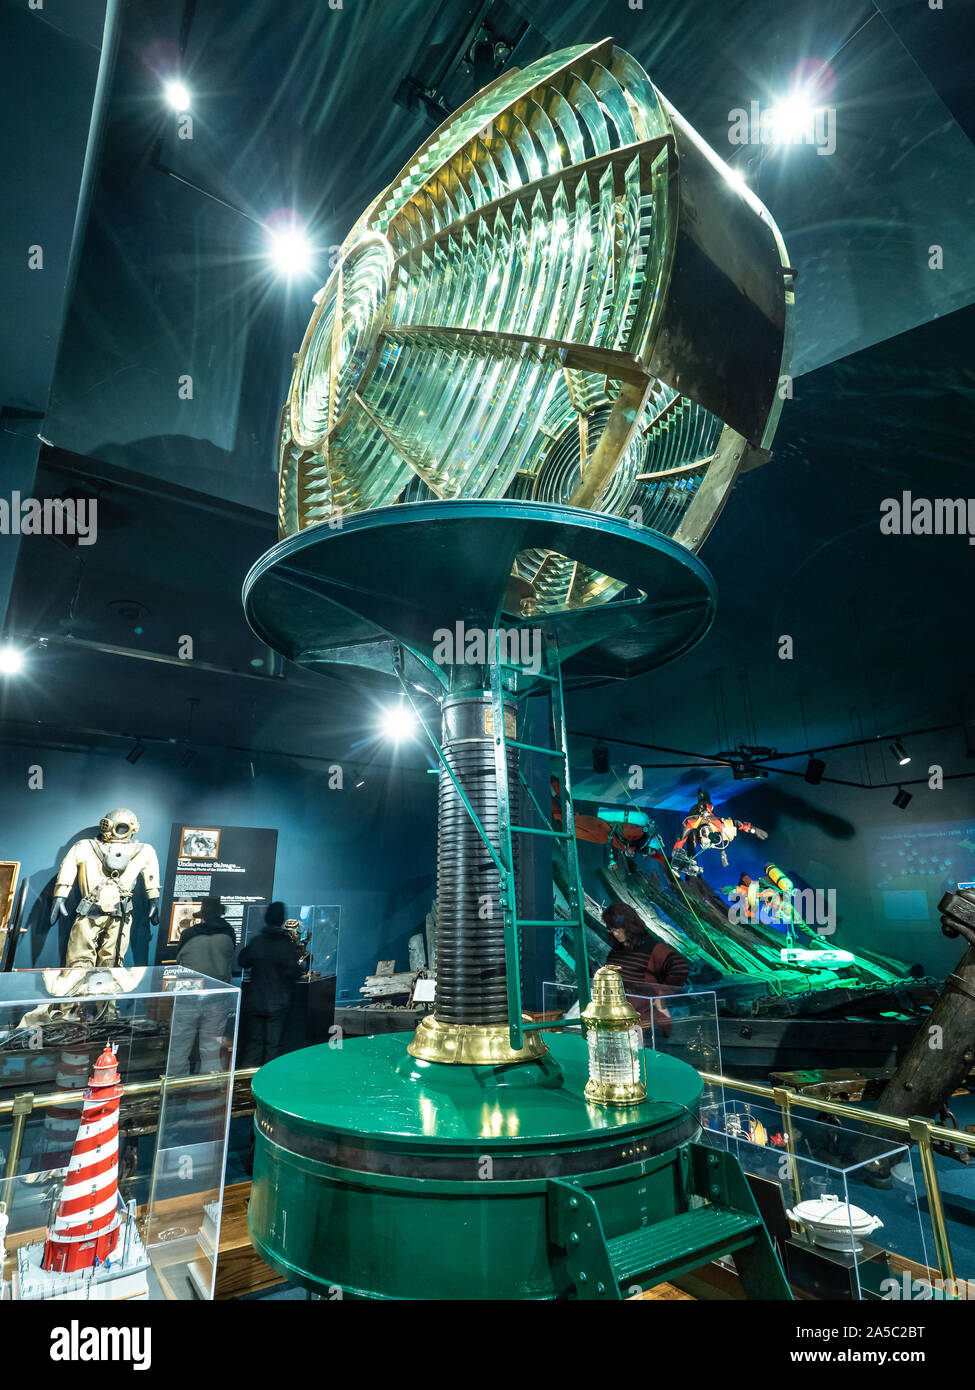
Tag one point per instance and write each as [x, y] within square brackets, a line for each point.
[272, 966]
[208, 948]
[649, 968]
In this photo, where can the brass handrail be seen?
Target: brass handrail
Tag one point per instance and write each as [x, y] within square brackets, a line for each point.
[50, 1099]
[25, 1103]
[939, 1133]
[916, 1129]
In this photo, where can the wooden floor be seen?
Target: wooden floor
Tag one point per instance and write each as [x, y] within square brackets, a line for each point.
[664, 1293]
[240, 1268]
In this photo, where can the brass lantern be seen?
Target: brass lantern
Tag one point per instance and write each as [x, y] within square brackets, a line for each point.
[615, 1037]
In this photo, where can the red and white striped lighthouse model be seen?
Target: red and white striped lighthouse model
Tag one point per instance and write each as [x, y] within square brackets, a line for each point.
[85, 1231]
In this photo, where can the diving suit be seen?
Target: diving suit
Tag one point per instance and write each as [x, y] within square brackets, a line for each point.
[107, 870]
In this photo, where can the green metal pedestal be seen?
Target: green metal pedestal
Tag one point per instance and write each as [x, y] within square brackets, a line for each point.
[380, 1176]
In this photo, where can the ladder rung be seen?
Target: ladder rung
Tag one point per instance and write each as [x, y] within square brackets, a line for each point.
[549, 1023]
[544, 922]
[532, 830]
[523, 671]
[536, 748]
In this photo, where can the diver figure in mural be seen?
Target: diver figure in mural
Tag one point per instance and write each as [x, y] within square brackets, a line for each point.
[757, 900]
[704, 829]
[107, 870]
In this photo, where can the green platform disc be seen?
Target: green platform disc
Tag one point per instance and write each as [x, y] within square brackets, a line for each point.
[371, 1092]
[405, 572]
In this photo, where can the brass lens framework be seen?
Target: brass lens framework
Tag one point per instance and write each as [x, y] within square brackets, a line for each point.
[514, 318]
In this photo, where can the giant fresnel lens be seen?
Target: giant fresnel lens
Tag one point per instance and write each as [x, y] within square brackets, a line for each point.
[543, 356]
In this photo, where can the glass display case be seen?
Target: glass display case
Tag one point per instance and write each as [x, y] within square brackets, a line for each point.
[561, 1001]
[839, 1202]
[683, 1025]
[319, 926]
[115, 1090]
[686, 1026]
[320, 923]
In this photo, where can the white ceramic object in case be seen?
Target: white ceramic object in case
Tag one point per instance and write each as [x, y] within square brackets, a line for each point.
[834, 1224]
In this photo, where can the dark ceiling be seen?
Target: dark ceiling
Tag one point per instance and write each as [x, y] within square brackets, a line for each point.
[155, 269]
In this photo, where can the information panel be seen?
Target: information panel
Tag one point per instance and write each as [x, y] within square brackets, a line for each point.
[234, 863]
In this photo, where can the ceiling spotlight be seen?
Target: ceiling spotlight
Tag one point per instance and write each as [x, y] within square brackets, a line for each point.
[135, 753]
[900, 753]
[748, 771]
[792, 120]
[902, 799]
[188, 757]
[814, 770]
[398, 723]
[177, 94]
[600, 757]
[289, 249]
[11, 659]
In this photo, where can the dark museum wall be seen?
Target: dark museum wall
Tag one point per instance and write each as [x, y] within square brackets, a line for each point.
[370, 850]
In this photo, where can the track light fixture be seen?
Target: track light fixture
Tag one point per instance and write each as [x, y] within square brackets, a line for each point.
[902, 799]
[814, 770]
[748, 771]
[900, 752]
[135, 752]
[600, 757]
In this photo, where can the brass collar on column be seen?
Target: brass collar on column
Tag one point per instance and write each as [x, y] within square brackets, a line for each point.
[472, 1044]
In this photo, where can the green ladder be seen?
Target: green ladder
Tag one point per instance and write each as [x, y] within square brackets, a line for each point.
[602, 1254]
[504, 677]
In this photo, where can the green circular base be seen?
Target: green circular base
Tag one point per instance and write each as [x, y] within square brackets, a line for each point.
[378, 1175]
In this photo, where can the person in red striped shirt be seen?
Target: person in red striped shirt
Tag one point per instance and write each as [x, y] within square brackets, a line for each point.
[649, 967]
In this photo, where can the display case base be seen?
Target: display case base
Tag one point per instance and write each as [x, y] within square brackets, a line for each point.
[123, 1280]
